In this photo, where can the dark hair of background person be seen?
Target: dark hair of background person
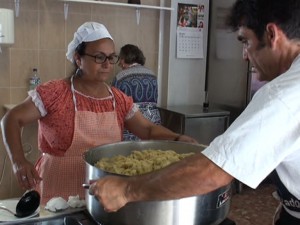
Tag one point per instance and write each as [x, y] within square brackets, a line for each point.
[256, 14]
[132, 54]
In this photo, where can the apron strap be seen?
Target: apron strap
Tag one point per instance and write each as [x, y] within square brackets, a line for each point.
[73, 93]
[74, 98]
[112, 94]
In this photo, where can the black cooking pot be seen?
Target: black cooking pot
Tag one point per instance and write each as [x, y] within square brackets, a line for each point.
[208, 209]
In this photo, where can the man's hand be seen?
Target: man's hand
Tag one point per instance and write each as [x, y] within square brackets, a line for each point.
[111, 192]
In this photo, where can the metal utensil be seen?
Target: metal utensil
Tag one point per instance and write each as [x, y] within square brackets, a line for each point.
[87, 186]
[27, 204]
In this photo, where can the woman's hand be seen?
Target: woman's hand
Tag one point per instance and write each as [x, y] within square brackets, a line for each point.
[110, 192]
[147, 130]
[26, 174]
[185, 138]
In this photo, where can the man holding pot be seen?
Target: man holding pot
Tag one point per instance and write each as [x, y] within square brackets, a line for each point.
[263, 139]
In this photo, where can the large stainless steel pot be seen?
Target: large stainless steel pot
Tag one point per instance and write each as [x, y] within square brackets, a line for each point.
[208, 209]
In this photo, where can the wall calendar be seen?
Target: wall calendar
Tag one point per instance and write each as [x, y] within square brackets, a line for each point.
[190, 25]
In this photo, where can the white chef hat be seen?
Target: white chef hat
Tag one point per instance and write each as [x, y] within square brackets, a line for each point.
[89, 31]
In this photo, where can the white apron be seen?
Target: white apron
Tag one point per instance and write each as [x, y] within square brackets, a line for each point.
[64, 176]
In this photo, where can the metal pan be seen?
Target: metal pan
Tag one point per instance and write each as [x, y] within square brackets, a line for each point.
[208, 209]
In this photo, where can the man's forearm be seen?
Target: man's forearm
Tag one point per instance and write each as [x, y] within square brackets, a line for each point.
[191, 176]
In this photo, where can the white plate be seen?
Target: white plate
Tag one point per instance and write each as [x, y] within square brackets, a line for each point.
[11, 204]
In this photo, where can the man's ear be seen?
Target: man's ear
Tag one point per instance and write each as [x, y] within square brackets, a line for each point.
[272, 34]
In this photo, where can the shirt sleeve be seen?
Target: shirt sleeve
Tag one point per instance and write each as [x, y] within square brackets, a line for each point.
[51, 95]
[125, 104]
[131, 112]
[36, 99]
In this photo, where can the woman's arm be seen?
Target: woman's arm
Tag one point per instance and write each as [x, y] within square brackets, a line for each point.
[145, 129]
[12, 124]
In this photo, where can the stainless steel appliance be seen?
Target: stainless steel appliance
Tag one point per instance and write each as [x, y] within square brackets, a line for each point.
[208, 209]
[194, 120]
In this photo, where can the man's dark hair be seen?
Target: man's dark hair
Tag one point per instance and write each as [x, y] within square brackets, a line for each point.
[132, 54]
[256, 14]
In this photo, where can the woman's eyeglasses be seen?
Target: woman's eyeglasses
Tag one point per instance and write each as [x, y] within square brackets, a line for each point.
[101, 58]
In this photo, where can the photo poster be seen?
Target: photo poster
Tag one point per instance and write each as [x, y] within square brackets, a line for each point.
[190, 25]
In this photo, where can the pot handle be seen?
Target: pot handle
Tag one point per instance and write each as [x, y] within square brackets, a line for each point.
[87, 186]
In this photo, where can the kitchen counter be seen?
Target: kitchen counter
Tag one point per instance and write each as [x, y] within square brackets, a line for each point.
[196, 111]
[203, 124]
[40, 215]
[45, 217]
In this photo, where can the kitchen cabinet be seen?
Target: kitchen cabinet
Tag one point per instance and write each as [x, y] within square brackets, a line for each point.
[202, 124]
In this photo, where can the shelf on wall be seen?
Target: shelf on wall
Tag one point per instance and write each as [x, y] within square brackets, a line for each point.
[137, 6]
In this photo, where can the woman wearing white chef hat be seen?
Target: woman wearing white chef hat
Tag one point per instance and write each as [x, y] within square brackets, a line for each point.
[75, 114]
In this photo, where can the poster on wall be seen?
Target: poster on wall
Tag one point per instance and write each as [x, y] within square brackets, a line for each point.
[190, 25]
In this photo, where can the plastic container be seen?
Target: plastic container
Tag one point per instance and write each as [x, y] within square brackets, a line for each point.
[7, 35]
[35, 80]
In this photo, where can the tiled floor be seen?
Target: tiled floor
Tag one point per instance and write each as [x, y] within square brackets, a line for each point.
[253, 207]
